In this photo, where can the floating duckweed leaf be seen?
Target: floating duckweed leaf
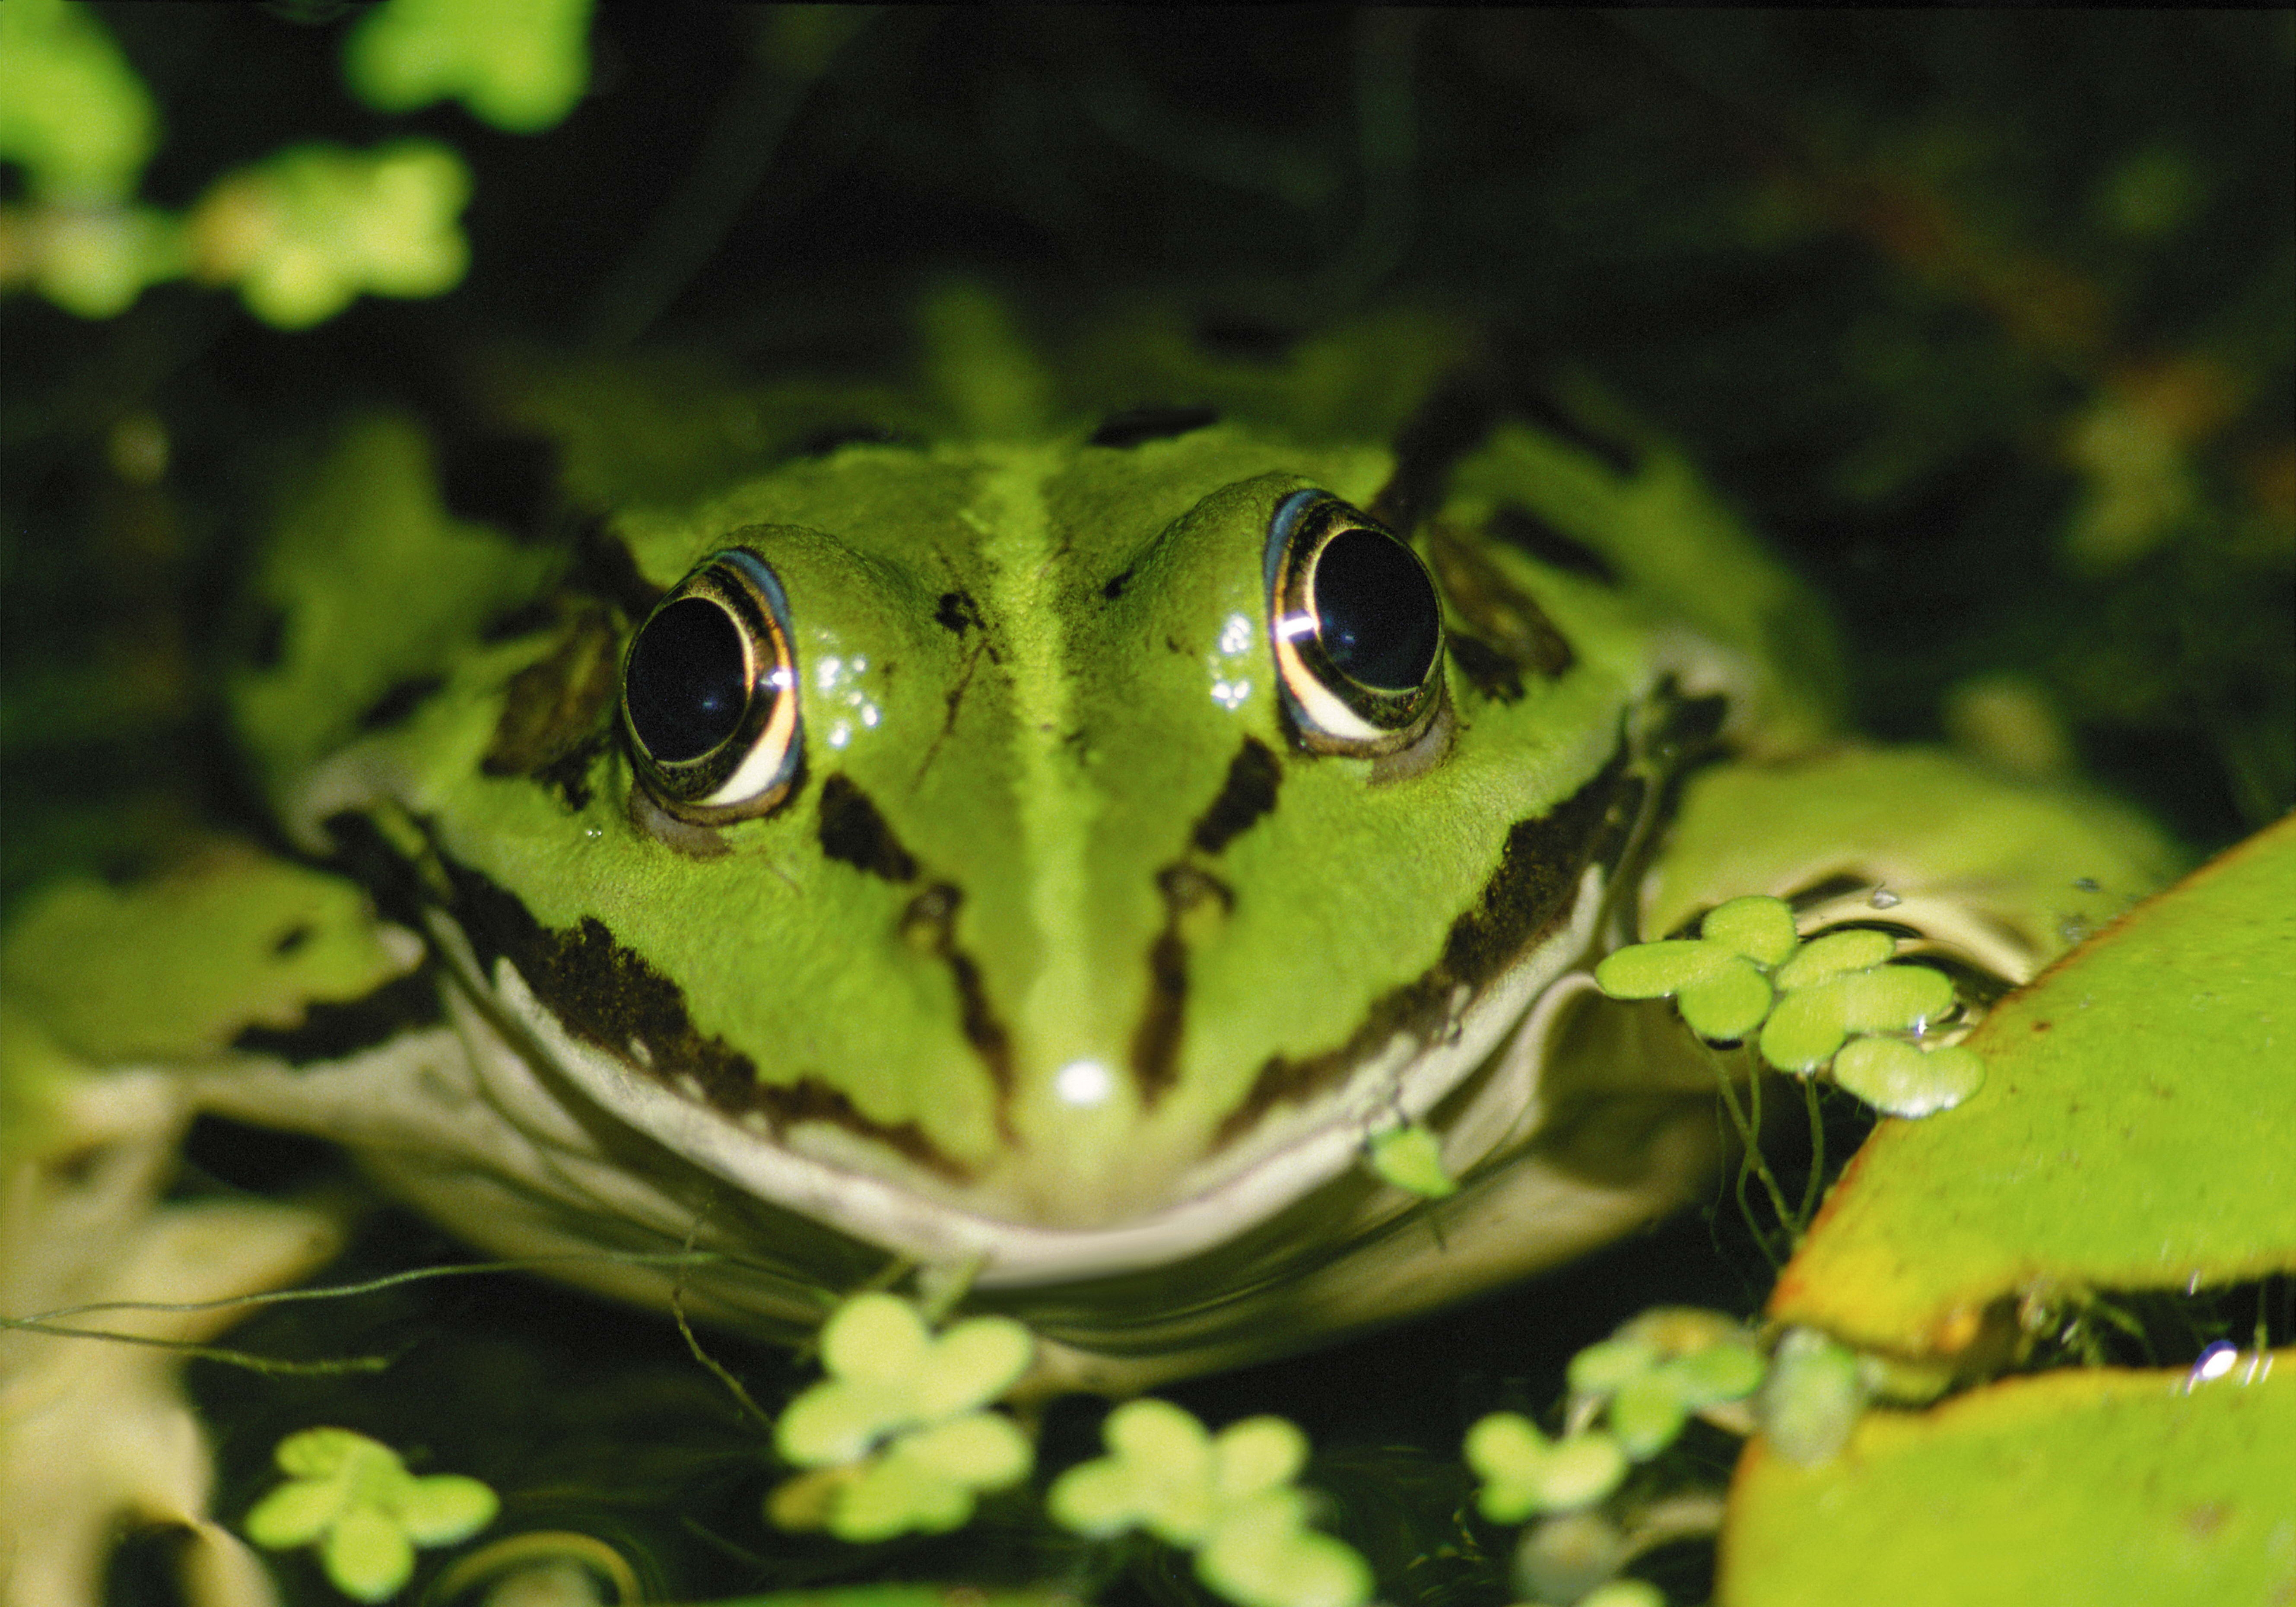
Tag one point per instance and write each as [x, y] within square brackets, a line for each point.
[354, 1498]
[1812, 1398]
[2132, 1132]
[1717, 1373]
[1832, 953]
[888, 1374]
[1728, 1005]
[1525, 1472]
[1411, 1158]
[927, 1482]
[1229, 1497]
[1661, 1367]
[1895, 1077]
[1652, 971]
[518, 64]
[1759, 927]
[1166, 1474]
[1810, 1023]
[305, 232]
[1607, 1366]
[1263, 1554]
[1646, 1414]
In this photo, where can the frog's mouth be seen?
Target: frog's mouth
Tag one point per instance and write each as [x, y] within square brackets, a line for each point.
[1455, 1048]
[1476, 1083]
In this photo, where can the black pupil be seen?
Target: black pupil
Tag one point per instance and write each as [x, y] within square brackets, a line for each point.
[685, 682]
[1380, 622]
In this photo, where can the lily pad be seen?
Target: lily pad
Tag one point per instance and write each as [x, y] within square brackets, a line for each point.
[2089, 1485]
[2133, 1130]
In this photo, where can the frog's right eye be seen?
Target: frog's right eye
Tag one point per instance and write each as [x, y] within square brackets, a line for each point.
[710, 692]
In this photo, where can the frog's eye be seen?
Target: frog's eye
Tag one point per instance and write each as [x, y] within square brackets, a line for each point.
[710, 692]
[1357, 628]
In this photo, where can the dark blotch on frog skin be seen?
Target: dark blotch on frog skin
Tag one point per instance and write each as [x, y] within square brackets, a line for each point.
[554, 720]
[824, 443]
[1528, 896]
[1136, 426]
[1450, 425]
[853, 829]
[1156, 1042]
[1542, 408]
[1525, 531]
[606, 994]
[1499, 617]
[331, 1031]
[401, 701]
[1492, 672]
[956, 612]
[1248, 792]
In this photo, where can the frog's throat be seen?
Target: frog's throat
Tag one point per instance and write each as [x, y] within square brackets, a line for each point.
[536, 1060]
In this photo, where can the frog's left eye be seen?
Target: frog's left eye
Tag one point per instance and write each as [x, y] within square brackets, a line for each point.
[710, 692]
[1357, 628]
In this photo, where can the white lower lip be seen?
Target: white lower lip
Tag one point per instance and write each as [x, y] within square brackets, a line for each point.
[1011, 1254]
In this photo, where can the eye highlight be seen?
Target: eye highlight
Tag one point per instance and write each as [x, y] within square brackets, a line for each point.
[1355, 626]
[710, 699]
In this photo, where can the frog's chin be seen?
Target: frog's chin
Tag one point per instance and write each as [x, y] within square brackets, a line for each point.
[1478, 1084]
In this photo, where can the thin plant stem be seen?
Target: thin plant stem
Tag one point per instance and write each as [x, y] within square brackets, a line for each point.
[1816, 1157]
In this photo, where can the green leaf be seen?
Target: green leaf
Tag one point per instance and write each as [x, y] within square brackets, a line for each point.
[1411, 1158]
[1833, 954]
[1652, 971]
[971, 1364]
[1525, 1472]
[2082, 1485]
[518, 64]
[2132, 1132]
[446, 1507]
[72, 111]
[296, 1513]
[1261, 1554]
[1760, 928]
[1899, 1079]
[1728, 1005]
[1256, 1456]
[1647, 1414]
[367, 1556]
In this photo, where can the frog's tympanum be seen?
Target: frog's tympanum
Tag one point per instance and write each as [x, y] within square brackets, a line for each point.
[1033, 823]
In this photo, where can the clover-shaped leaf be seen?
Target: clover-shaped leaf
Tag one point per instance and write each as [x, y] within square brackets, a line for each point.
[354, 1497]
[1165, 1473]
[1810, 1023]
[518, 64]
[1524, 1472]
[1902, 1079]
[1411, 1158]
[73, 114]
[1228, 1496]
[1716, 979]
[927, 1481]
[1262, 1553]
[1662, 1367]
[306, 230]
[888, 1374]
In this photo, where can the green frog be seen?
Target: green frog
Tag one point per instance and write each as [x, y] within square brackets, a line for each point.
[1027, 826]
